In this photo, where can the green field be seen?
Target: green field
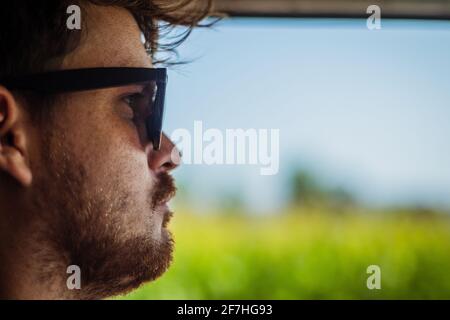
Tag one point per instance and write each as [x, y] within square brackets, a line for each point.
[306, 254]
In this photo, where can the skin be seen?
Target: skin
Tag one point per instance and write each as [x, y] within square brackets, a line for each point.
[85, 188]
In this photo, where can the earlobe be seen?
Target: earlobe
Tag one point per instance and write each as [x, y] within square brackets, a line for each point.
[12, 140]
[12, 161]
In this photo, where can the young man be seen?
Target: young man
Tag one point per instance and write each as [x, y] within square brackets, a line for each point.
[84, 165]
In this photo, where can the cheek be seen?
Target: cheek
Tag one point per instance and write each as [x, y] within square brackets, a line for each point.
[118, 175]
[109, 149]
[115, 159]
[112, 154]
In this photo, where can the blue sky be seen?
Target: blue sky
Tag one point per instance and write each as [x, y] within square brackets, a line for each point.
[368, 110]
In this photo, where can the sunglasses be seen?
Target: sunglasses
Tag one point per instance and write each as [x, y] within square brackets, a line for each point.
[63, 81]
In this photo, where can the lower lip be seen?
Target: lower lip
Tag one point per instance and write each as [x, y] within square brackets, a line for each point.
[162, 208]
[165, 213]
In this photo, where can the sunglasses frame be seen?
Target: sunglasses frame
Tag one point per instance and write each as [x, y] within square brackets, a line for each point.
[73, 80]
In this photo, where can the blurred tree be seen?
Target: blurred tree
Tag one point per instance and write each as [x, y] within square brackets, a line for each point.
[307, 191]
[231, 203]
[339, 200]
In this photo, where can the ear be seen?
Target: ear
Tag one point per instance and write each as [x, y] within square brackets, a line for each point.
[13, 159]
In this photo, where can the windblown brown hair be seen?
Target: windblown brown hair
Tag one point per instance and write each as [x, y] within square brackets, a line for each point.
[34, 37]
[158, 18]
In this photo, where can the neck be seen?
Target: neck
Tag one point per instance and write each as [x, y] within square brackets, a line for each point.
[29, 268]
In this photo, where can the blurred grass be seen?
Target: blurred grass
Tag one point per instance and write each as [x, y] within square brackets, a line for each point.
[299, 255]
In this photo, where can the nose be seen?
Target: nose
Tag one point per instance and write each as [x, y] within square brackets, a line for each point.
[166, 158]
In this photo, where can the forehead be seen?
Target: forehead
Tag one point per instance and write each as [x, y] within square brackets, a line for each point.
[111, 37]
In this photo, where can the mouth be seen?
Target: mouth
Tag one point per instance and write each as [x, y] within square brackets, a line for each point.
[165, 190]
[164, 210]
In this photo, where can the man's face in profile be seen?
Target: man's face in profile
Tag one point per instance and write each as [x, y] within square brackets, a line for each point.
[93, 193]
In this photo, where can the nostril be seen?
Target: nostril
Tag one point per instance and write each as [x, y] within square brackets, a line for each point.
[169, 165]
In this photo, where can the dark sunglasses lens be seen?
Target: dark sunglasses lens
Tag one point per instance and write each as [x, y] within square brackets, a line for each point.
[155, 120]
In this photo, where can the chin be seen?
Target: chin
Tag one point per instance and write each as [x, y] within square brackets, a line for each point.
[131, 274]
[111, 267]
